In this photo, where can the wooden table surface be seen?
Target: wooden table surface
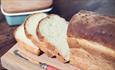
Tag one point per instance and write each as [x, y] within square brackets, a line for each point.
[6, 37]
[12, 61]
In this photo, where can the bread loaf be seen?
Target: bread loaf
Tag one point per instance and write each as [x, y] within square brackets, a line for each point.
[87, 41]
[94, 40]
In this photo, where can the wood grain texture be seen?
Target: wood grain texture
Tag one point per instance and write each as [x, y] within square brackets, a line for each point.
[13, 62]
[6, 38]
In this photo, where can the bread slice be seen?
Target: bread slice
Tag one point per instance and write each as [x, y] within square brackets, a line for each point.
[24, 41]
[31, 24]
[52, 30]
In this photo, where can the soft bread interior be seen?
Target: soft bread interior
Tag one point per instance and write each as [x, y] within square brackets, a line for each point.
[20, 36]
[54, 29]
[32, 23]
[95, 46]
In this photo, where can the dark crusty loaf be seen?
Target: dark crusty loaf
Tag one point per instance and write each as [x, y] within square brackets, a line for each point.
[95, 35]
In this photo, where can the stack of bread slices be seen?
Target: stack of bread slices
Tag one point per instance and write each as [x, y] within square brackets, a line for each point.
[46, 33]
[86, 42]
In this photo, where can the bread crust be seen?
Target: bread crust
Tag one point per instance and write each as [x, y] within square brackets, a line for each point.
[92, 35]
[73, 43]
[94, 27]
[87, 61]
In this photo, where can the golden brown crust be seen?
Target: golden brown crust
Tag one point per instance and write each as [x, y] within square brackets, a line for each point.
[92, 26]
[72, 42]
[87, 61]
[97, 30]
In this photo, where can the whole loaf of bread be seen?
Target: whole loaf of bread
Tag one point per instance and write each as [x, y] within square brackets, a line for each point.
[92, 36]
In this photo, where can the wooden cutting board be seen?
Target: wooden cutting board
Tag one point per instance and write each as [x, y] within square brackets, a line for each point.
[11, 61]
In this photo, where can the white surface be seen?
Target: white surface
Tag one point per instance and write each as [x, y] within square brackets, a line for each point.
[24, 13]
